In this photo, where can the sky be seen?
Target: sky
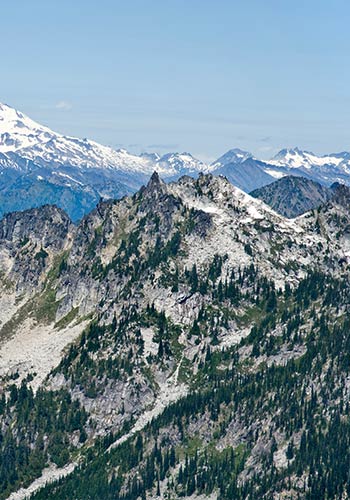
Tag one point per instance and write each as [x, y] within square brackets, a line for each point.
[198, 76]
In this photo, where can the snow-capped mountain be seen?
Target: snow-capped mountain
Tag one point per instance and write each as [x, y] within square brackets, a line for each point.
[32, 141]
[296, 158]
[180, 163]
[82, 166]
[235, 155]
[38, 165]
[325, 169]
[18, 131]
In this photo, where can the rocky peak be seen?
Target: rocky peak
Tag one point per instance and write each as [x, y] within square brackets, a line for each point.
[195, 288]
[154, 181]
[156, 198]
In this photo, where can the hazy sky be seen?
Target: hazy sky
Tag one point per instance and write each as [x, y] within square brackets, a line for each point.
[186, 75]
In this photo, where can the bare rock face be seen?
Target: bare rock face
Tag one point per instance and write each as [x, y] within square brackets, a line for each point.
[341, 194]
[156, 201]
[29, 242]
[47, 226]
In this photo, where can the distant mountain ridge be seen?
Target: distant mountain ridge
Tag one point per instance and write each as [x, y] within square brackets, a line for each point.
[248, 174]
[28, 139]
[292, 196]
[38, 166]
[234, 156]
[76, 172]
[326, 169]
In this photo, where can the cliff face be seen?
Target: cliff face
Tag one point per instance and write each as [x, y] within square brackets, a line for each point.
[47, 226]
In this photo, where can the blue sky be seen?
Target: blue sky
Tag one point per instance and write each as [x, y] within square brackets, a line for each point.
[199, 76]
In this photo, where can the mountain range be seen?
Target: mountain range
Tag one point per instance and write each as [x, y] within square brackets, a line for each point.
[183, 342]
[39, 166]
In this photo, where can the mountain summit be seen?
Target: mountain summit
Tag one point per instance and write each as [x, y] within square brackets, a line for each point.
[23, 136]
[235, 155]
[297, 158]
[17, 131]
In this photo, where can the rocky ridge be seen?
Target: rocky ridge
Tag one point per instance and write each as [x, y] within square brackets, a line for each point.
[153, 299]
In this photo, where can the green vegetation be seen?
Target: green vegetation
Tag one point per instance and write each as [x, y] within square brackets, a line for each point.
[40, 431]
[67, 319]
[315, 426]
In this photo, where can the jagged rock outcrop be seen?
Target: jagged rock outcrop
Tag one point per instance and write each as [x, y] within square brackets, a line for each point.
[29, 243]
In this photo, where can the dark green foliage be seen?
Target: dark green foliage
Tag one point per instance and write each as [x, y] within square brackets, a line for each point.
[41, 255]
[40, 430]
